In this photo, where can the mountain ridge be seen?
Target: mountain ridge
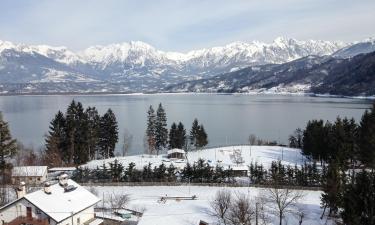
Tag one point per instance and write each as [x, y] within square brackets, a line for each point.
[139, 67]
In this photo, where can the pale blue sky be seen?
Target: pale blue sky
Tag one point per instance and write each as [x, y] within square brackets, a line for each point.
[181, 25]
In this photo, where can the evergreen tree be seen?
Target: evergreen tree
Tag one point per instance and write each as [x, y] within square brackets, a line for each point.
[108, 134]
[70, 130]
[194, 133]
[201, 137]
[151, 129]
[173, 136]
[161, 131]
[367, 138]
[81, 149]
[8, 146]
[56, 140]
[93, 128]
[315, 139]
[116, 170]
[359, 200]
[332, 188]
[181, 136]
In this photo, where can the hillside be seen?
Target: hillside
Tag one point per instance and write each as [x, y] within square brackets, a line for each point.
[312, 74]
[215, 156]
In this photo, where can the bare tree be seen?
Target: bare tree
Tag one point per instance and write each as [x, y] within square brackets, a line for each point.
[237, 157]
[300, 214]
[128, 140]
[118, 201]
[252, 139]
[241, 212]
[262, 216]
[93, 190]
[281, 201]
[220, 205]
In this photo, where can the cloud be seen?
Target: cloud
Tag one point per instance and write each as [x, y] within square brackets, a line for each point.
[182, 24]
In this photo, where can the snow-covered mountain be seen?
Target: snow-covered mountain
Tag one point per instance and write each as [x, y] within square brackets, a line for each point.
[137, 66]
[354, 49]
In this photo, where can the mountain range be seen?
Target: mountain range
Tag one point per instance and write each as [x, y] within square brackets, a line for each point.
[139, 67]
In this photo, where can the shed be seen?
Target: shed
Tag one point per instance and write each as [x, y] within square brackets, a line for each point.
[239, 171]
[176, 153]
[29, 174]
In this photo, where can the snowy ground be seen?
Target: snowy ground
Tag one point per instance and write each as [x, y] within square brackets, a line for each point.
[189, 212]
[223, 156]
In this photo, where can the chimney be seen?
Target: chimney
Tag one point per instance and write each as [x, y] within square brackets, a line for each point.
[47, 188]
[63, 179]
[21, 190]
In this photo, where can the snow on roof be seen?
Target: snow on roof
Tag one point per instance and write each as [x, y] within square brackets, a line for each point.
[60, 205]
[175, 150]
[236, 168]
[109, 215]
[29, 171]
[57, 169]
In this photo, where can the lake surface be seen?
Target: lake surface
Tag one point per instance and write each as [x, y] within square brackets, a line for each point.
[228, 119]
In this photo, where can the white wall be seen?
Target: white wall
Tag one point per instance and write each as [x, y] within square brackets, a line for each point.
[29, 179]
[84, 216]
[19, 209]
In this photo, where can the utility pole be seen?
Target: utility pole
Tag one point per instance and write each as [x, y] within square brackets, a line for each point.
[256, 213]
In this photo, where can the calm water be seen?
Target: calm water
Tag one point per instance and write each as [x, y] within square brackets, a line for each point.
[228, 119]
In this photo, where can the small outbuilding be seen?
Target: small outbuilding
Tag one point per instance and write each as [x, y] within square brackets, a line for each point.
[239, 171]
[29, 174]
[176, 153]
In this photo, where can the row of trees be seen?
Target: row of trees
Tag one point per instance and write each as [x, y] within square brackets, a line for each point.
[307, 175]
[81, 135]
[158, 138]
[199, 172]
[346, 150]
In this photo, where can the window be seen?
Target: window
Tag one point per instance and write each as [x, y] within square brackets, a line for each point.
[78, 221]
[38, 178]
[38, 211]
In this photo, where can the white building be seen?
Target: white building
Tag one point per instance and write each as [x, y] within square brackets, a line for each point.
[29, 174]
[65, 203]
[176, 153]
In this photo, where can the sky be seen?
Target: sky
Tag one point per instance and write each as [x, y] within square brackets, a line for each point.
[182, 25]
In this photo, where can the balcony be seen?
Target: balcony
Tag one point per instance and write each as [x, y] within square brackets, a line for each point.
[28, 220]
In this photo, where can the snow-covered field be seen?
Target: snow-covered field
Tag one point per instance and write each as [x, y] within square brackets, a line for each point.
[222, 156]
[189, 212]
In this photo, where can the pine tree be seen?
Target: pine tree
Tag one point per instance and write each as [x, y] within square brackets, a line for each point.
[181, 136]
[93, 124]
[81, 149]
[161, 131]
[55, 141]
[201, 137]
[173, 136]
[8, 145]
[359, 200]
[367, 138]
[333, 189]
[108, 134]
[194, 133]
[116, 170]
[151, 129]
[70, 130]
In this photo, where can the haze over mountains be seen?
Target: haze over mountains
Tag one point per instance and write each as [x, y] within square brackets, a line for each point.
[139, 67]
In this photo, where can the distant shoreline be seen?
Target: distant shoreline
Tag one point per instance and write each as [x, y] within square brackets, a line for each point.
[185, 93]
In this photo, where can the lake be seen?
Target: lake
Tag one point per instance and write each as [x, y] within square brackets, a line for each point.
[228, 119]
